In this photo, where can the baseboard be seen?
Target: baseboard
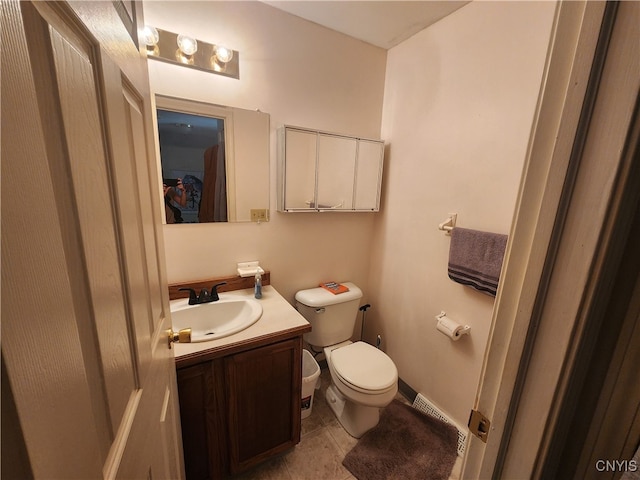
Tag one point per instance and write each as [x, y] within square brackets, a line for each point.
[406, 390]
[421, 403]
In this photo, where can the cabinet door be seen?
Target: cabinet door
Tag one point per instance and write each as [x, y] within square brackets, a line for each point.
[194, 391]
[202, 411]
[336, 169]
[300, 169]
[263, 392]
[368, 175]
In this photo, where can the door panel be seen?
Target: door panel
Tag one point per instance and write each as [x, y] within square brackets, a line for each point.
[149, 218]
[103, 369]
[90, 184]
[47, 347]
[141, 256]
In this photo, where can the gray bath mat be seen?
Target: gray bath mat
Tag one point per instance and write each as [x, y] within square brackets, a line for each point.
[406, 444]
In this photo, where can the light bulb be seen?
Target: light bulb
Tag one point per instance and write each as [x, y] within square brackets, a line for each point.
[223, 54]
[187, 45]
[150, 36]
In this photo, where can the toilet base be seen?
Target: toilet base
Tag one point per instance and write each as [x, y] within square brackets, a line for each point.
[356, 419]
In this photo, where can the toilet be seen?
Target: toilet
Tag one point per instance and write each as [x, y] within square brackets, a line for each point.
[363, 378]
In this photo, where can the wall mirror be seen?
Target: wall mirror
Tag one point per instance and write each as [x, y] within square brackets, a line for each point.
[214, 161]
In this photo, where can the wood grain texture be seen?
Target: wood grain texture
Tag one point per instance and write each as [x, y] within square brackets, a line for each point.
[76, 299]
[240, 409]
[124, 118]
[90, 178]
[264, 390]
[43, 327]
[195, 386]
[262, 410]
[192, 359]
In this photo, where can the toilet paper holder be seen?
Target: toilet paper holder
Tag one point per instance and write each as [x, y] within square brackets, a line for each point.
[451, 328]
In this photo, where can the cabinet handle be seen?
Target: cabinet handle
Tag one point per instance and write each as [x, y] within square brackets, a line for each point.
[320, 206]
[335, 206]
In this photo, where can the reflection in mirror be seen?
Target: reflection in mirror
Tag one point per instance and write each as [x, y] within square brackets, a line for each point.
[193, 167]
[214, 161]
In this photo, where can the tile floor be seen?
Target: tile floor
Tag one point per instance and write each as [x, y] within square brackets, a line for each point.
[323, 445]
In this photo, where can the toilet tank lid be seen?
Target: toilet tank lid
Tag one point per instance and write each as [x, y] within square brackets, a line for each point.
[321, 297]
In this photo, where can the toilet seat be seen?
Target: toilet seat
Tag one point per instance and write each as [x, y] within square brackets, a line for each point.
[364, 368]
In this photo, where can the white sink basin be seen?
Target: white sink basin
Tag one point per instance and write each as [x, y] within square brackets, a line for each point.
[209, 321]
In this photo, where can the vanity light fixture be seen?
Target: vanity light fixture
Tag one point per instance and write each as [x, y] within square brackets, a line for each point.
[187, 45]
[191, 52]
[222, 54]
[150, 36]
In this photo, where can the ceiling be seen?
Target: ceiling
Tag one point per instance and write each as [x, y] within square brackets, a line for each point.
[381, 23]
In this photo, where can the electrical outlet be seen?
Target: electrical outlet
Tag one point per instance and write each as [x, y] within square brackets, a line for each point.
[259, 215]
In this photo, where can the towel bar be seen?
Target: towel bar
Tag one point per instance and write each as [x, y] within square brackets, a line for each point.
[449, 223]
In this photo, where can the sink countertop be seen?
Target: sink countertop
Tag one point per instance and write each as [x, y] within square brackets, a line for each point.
[278, 316]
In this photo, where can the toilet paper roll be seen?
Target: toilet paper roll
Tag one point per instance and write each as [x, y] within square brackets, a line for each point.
[451, 328]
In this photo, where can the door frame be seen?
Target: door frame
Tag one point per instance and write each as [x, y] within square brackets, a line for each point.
[541, 228]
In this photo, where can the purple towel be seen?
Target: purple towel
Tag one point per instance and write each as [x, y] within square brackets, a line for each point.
[475, 259]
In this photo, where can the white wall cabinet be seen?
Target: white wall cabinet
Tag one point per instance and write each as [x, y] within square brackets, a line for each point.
[321, 171]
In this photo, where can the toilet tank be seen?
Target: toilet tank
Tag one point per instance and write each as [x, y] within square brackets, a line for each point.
[332, 317]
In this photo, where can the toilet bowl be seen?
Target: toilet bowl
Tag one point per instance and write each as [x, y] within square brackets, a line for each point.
[363, 378]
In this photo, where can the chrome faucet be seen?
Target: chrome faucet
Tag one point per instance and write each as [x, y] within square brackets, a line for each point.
[205, 295]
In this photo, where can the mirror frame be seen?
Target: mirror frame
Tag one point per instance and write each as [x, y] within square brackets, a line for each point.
[247, 155]
[208, 110]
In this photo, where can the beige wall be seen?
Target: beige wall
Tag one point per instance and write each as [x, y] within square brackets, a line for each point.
[301, 74]
[458, 105]
[458, 108]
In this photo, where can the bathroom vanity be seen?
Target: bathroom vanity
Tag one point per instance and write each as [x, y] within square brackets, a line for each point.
[240, 396]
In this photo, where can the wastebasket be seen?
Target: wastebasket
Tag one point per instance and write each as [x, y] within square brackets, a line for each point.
[310, 374]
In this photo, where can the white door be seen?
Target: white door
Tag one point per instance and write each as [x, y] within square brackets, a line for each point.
[84, 301]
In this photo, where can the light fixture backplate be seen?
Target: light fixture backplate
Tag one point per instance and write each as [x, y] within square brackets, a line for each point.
[204, 59]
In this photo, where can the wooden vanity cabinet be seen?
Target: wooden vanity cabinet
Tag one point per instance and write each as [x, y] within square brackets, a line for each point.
[240, 408]
[203, 426]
